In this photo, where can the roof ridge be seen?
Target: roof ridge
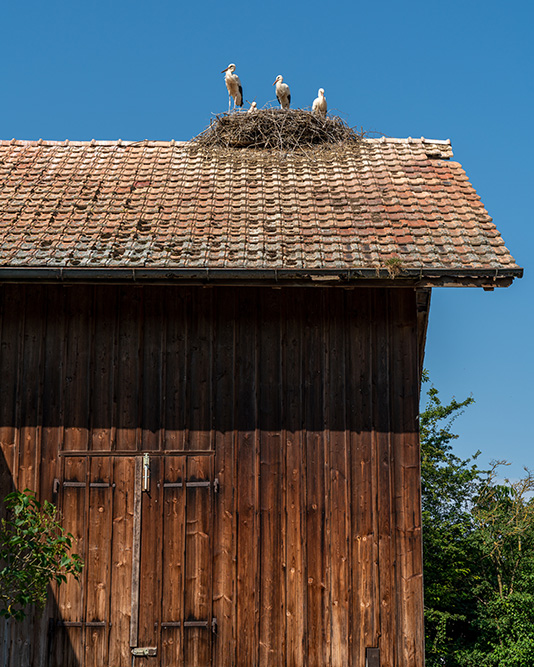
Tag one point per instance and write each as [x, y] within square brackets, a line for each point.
[92, 142]
[174, 142]
[408, 140]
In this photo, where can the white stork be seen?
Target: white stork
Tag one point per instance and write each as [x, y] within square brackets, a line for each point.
[233, 84]
[253, 107]
[282, 92]
[319, 104]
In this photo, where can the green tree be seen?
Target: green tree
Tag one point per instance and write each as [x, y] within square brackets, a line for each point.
[34, 551]
[448, 485]
[503, 515]
[478, 545]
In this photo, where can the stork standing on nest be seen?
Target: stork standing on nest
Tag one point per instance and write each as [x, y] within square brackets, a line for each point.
[233, 84]
[282, 92]
[319, 104]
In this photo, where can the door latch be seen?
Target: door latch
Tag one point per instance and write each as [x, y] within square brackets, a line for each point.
[146, 472]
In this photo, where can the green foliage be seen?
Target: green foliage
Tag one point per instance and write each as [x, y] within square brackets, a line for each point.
[478, 541]
[447, 484]
[34, 551]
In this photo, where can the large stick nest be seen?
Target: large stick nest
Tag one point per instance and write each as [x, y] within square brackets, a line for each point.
[282, 129]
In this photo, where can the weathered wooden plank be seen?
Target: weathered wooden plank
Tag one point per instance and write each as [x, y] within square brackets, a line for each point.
[154, 331]
[103, 368]
[272, 602]
[100, 493]
[19, 470]
[121, 560]
[318, 610]
[60, 643]
[339, 472]
[199, 389]
[10, 344]
[295, 460]
[76, 399]
[98, 574]
[364, 607]
[30, 420]
[404, 407]
[198, 562]
[128, 371]
[30, 390]
[176, 367]
[99, 508]
[173, 575]
[246, 478]
[51, 438]
[53, 383]
[71, 599]
[225, 520]
[384, 456]
[282, 479]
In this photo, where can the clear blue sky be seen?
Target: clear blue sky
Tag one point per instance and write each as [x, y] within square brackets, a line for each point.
[461, 70]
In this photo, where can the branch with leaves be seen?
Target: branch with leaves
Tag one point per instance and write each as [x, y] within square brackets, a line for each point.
[34, 552]
[504, 515]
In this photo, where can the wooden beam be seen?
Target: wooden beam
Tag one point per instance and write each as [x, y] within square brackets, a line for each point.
[423, 310]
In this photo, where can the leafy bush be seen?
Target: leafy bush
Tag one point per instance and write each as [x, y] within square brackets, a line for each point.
[34, 551]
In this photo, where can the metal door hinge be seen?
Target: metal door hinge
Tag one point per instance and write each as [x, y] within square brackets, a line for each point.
[145, 651]
[194, 484]
[191, 624]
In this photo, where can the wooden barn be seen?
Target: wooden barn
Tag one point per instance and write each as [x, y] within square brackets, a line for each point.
[211, 363]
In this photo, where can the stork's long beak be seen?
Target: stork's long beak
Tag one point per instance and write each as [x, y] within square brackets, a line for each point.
[224, 70]
[274, 82]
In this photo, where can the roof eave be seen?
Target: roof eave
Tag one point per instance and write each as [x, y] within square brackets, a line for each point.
[392, 277]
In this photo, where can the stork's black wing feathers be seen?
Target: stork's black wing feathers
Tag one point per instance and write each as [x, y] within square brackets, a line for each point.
[289, 99]
[240, 100]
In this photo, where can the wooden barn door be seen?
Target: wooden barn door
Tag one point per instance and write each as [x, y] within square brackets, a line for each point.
[172, 620]
[143, 526]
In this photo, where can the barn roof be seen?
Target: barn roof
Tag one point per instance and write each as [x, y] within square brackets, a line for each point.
[388, 209]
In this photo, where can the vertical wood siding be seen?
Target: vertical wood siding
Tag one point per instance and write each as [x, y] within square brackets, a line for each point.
[282, 524]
